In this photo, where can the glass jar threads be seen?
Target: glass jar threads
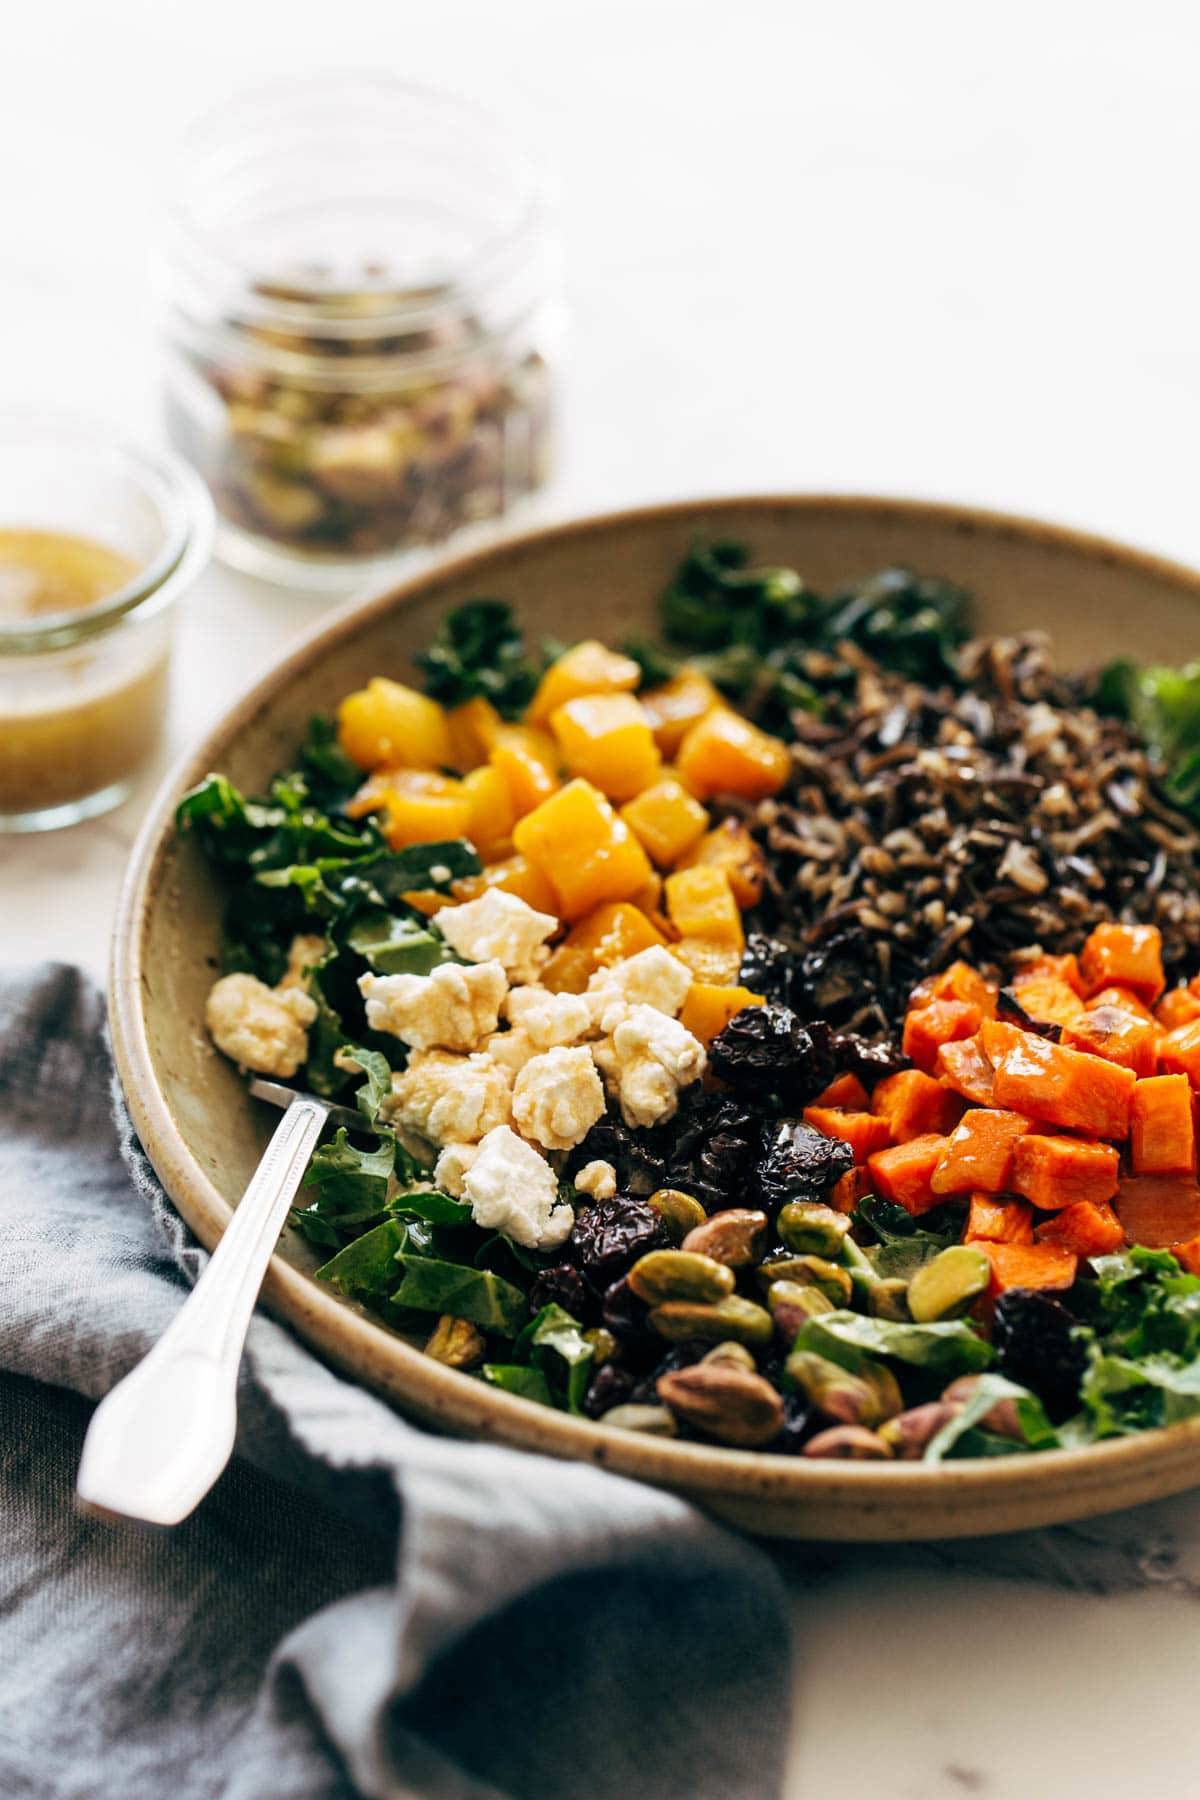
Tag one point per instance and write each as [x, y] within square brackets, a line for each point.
[362, 312]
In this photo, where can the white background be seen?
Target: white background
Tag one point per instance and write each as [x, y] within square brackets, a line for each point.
[936, 249]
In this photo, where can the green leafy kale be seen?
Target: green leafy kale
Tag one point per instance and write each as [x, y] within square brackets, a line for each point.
[902, 1246]
[397, 943]
[950, 1347]
[432, 1285]
[910, 623]
[555, 1344]
[479, 650]
[367, 1268]
[1163, 705]
[962, 1433]
[514, 1378]
[1142, 1336]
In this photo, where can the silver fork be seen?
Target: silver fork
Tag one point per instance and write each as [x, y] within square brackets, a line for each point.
[159, 1440]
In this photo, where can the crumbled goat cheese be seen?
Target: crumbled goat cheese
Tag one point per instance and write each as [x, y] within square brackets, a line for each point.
[514, 1190]
[450, 1099]
[511, 1049]
[647, 1058]
[306, 950]
[651, 978]
[549, 1019]
[599, 1179]
[450, 1009]
[558, 1097]
[498, 927]
[264, 1029]
[450, 1170]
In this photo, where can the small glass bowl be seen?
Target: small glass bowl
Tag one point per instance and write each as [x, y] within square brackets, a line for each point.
[83, 693]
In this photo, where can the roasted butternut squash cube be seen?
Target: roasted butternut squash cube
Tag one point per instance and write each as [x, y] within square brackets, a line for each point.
[708, 1008]
[700, 904]
[589, 667]
[665, 819]
[1178, 1006]
[527, 761]
[677, 705]
[717, 963]
[390, 725]
[474, 727]
[492, 815]
[731, 847]
[1129, 955]
[726, 754]
[584, 850]
[606, 738]
[608, 935]
[513, 875]
[424, 808]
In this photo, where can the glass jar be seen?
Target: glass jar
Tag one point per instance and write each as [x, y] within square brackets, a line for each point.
[83, 686]
[361, 309]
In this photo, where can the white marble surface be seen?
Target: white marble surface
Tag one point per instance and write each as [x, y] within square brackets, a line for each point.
[929, 249]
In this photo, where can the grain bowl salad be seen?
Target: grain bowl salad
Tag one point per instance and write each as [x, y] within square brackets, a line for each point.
[785, 1035]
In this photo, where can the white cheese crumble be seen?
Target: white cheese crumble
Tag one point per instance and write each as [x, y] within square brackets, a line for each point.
[514, 1190]
[558, 1097]
[450, 1170]
[651, 978]
[599, 1179]
[548, 1019]
[305, 950]
[450, 1099]
[647, 1059]
[452, 1008]
[262, 1028]
[498, 927]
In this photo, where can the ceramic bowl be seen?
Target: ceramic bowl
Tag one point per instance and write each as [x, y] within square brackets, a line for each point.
[601, 577]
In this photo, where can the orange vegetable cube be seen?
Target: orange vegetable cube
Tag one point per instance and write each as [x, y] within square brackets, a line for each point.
[1060, 1086]
[904, 1173]
[711, 961]
[1159, 1210]
[1186, 1255]
[1117, 1035]
[513, 875]
[677, 705]
[1088, 1227]
[726, 754]
[700, 904]
[1129, 955]
[979, 1152]
[492, 818]
[964, 1068]
[1178, 1006]
[731, 847]
[861, 1130]
[849, 1189]
[936, 1023]
[474, 727]
[606, 738]
[527, 761]
[608, 935]
[589, 667]
[708, 1008]
[1000, 1221]
[998, 1037]
[424, 808]
[389, 724]
[848, 1092]
[1049, 999]
[959, 981]
[912, 1103]
[1057, 1171]
[1123, 997]
[1179, 1052]
[1066, 968]
[585, 851]
[1162, 1126]
[666, 820]
[1048, 1266]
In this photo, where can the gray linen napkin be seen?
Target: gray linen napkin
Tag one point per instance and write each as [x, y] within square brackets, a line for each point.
[360, 1607]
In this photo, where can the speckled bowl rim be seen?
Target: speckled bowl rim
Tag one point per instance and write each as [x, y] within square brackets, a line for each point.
[774, 1494]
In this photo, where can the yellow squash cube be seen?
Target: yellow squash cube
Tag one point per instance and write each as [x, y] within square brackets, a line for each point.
[527, 760]
[586, 668]
[387, 724]
[732, 848]
[424, 808]
[585, 851]
[609, 934]
[726, 754]
[492, 816]
[678, 705]
[474, 727]
[708, 1009]
[606, 738]
[700, 904]
[666, 820]
[513, 875]
[713, 963]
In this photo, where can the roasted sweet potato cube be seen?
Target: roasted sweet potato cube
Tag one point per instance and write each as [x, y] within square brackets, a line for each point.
[1178, 1006]
[1179, 1052]
[914, 1103]
[979, 1152]
[905, 1172]
[1123, 997]
[1060, 1086]
[1049, 999]
[957, 982]
[1116, 1035]
[1188, 1255]
[1159, 1210]
[1130, 955]
[936, 1023]
[861, 1130]
[1050, 1266]
[1000, 1221]
[997, 1037]
[1066, 968]
[1088, 1227]
[965, 1069]
[1162, 1126]
[1058, 1171]
[849, 1189]
[848, 1092]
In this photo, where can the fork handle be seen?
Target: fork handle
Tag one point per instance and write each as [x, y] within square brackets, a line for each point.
[158, 1441]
